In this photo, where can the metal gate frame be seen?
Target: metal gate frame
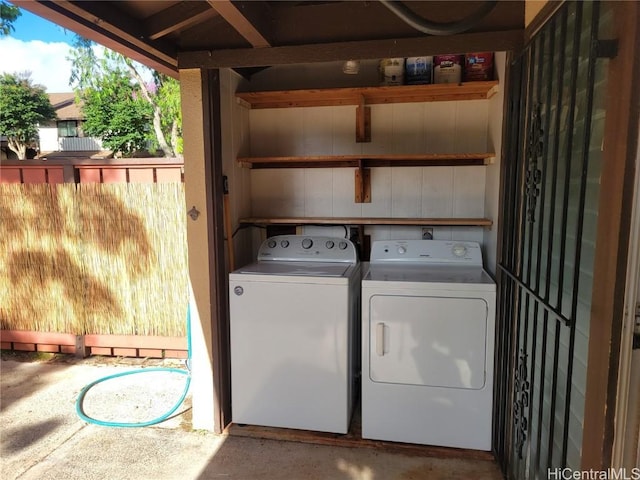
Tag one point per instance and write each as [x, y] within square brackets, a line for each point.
[521, 187]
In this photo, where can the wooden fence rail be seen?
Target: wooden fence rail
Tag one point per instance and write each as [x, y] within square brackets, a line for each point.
[85, 345]
[71, 170]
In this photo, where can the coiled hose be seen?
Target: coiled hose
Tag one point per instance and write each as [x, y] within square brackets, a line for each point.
[162, 418]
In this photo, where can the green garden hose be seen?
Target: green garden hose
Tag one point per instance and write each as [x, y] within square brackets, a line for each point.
[162, 418]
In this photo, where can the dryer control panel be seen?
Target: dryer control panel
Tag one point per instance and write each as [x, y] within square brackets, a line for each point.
[305, 248]
[435, 252]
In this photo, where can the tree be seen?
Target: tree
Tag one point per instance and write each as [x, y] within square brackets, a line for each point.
[23, 106]
[8, 15]
[161, 93]
[116, 114]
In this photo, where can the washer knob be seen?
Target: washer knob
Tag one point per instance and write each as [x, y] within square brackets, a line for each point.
[271, 244]
[307, 243]
[284, 243]
[402, 250]
[459, 250]
[343, 245]
[330, 244]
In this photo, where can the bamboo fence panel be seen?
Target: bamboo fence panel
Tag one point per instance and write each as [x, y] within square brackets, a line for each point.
[94, 258]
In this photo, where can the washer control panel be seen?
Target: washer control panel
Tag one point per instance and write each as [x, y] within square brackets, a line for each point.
[445, 252]
[304, 248]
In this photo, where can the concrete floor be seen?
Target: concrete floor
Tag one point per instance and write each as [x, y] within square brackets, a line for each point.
[43, 438]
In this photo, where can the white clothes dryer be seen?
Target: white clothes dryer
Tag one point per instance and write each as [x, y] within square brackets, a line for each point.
[295, 334]
[428, 316]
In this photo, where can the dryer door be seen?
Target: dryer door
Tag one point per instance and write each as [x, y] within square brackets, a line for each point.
[431, 341]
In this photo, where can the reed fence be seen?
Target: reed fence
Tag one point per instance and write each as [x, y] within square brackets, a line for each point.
[93, 258]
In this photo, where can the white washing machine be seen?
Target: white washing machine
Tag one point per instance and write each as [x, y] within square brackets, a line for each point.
[295, 334]
[428, 320]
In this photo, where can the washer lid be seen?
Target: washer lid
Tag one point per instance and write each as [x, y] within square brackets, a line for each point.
[428, 274]
[302, 269]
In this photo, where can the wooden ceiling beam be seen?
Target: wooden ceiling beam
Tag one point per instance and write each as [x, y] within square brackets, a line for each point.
[95, 30]
[177, 17]
[510, 40]
[118, 23]
[240, 21]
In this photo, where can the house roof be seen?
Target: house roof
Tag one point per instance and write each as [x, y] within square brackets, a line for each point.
[65, 106]
[170, 35]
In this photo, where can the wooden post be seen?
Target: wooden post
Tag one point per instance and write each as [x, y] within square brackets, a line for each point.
[362, 183]
[363, 122]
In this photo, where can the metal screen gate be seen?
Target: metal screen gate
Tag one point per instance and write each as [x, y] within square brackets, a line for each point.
[550, 201]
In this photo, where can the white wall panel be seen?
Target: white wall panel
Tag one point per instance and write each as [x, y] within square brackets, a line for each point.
[343, 193]
[406, 192]
[278, 192]
[344, 131]
[437, 192]
[263, 132]
[381, 131]
[408, 128]
[317, 124]
[318, 201]
[471, 126]
[380, 205]
[468, 188]
[440, 122]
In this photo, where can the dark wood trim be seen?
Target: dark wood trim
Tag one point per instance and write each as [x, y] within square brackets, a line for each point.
[240, 22]
[541, 18]
[214, 185]
[510, 40]
[88, 162]
[160, 58]
[616, 196]
[177, 17]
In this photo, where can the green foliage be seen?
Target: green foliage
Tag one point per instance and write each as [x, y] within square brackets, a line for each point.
[84, 63]
[116, 113]
[23, 106]
[125, 81]
[168, 100]
[8, 15]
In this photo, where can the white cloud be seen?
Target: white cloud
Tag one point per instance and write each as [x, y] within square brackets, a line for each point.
[46, 61]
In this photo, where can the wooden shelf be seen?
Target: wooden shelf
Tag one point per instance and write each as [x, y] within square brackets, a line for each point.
[365, 161]
[370, 95]
[451, 222]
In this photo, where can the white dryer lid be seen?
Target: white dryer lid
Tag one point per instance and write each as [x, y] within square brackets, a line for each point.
[431, 274]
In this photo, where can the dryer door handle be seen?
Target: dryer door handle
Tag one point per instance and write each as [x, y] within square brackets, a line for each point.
[380, 339]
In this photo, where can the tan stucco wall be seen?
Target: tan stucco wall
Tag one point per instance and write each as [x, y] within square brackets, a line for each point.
[531, 9]
[202, 386]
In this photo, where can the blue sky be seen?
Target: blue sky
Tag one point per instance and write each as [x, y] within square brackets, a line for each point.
[31, 27]
[40, 47]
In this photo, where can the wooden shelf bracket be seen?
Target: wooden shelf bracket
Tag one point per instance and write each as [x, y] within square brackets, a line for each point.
[362, 184]
[363, 122]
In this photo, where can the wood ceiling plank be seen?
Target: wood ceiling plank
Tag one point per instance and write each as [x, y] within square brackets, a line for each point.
[240, 22]
[177, 17]
[106, 17]
[510, 40]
